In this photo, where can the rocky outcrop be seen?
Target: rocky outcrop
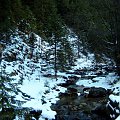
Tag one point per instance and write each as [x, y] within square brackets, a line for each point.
[94, 92]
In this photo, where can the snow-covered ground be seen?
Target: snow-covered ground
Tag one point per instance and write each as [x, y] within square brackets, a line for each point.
[44, 91]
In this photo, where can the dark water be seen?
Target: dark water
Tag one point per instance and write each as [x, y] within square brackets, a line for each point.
[81, 108]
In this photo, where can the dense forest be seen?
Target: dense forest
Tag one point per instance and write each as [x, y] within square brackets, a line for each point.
[96, 23]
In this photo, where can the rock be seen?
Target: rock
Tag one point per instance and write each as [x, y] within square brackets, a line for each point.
[63, 95]
[65, 84]
[97, 92]
[98, 117]
[73, 116]
[65, 77]
[57, 90]
[79, 72]
[35, 113]
[72, 90]
[101, 110]
[75, 78]
[86, 89]
[79, 108]
[62, 117]
[70, 81]
[109, 91]
[67, 94]
[88, 76]
[47, 75]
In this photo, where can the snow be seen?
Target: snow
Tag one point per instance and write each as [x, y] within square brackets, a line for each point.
[84, 62]
[43, 90]
[100, 82]
[118, 118]
[115, 98]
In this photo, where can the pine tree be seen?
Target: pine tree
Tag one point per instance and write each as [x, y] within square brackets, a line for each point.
[8, 91]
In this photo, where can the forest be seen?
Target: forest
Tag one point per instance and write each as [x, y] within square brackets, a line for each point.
[96, 23]
[55, 36]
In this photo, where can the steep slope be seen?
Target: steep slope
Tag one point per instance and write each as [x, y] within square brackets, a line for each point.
[25, 61]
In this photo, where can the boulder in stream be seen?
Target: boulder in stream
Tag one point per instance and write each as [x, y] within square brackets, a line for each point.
[94, 92]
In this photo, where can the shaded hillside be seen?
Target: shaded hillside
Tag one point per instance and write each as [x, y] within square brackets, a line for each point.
[96, 23]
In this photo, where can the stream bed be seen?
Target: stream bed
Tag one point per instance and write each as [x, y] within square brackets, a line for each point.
[78, 102]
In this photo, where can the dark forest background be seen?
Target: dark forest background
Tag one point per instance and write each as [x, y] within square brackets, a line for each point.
[95, 22]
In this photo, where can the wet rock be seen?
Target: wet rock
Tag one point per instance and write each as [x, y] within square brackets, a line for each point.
[65, 84]
[88, 76]
[57, 90]
[63, 95]
[47, 75]
[75, 78]
[79, 72]
[80, 107]
[65, 77]
[35, 113]
[101, 110]
[109, 91]
[67, 94]
[72, 90]
[98, 117]
[71, 80]
[86, 89]
[73, 116]
[97, 92]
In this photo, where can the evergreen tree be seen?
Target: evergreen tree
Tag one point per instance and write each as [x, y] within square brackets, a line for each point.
[8, 91]
[107, 25]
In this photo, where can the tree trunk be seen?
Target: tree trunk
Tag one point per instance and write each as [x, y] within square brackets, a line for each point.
[117, 31]
[55, 64]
